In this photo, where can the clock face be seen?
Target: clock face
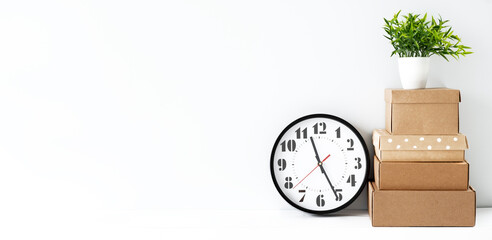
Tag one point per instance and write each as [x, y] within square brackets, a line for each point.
[319, 163]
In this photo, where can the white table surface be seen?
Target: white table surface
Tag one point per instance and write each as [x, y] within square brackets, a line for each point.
[232, 224]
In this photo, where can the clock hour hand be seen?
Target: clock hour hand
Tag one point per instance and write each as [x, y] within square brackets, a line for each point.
[322, 168]
[316, 155]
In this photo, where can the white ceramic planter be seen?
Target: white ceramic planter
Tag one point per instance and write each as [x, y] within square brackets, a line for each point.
[413, 71]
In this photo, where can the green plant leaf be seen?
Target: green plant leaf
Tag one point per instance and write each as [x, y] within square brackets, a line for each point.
[415, 36]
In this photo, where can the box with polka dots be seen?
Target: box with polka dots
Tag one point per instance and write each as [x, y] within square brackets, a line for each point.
[388, 147]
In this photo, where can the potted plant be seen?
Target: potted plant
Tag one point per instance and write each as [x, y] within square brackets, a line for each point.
[415, 39]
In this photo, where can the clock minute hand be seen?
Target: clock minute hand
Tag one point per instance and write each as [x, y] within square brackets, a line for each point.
[329, 182]
[322, 168]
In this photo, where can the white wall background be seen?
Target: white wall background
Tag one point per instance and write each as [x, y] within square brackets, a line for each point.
[142, 105]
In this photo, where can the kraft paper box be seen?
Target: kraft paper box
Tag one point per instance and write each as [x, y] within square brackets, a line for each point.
[405, 208]
[447, 148]
[422, 111]
[421, 175]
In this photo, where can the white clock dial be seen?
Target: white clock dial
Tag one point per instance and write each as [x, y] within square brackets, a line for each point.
[319, 163]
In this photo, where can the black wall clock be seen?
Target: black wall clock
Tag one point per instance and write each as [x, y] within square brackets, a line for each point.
[319, 163]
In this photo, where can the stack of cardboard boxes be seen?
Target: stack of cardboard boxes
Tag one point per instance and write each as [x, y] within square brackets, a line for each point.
[420, 171]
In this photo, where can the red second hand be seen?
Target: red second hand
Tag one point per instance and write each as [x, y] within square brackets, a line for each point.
[312, 171]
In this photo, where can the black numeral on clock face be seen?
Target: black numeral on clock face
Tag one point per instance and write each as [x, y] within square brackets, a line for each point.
[338, 132]
[338, 195]
[301, 133]
[290, 145]
[320, 201]
[358, 166]
[351, 143]
[282, 164]
[288, 183]
[351, 180]
[302, 191]
[320, 128]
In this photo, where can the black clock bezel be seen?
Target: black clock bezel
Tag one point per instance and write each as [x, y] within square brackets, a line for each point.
[319, 115]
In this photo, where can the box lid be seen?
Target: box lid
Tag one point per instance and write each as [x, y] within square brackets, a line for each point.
[427, 95]
[385, 141]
